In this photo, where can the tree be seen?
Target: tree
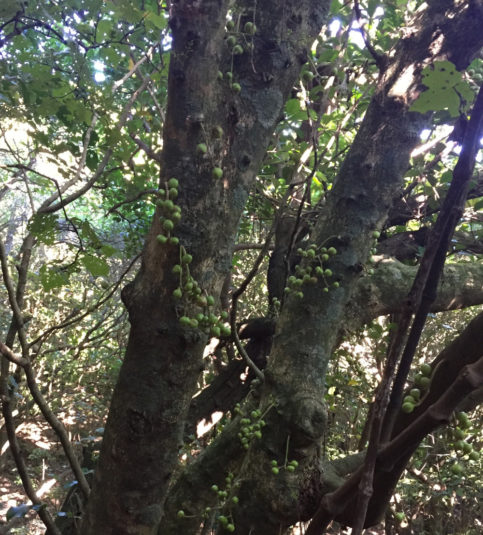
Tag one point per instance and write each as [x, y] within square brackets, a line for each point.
[255, 119]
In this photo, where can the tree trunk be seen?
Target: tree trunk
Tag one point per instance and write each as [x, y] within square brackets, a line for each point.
[164, 358]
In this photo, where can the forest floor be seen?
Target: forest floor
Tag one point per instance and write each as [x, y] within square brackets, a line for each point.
[51, 476]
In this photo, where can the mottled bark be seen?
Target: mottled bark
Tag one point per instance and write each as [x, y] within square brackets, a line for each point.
[163, 359]
[309, 328]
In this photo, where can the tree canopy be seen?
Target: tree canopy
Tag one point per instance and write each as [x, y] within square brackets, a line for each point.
[265, 213]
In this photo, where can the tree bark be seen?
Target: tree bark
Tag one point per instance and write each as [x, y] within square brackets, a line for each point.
[163, 359]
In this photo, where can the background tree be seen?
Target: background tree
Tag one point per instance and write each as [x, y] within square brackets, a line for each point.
[200, 128]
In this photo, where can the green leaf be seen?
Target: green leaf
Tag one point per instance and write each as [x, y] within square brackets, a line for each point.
[51, 277]
[44, 227]
[96, 266]
[108, 250]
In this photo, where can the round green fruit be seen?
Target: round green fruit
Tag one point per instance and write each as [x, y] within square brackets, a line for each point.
[161, 239]
[409, 399]
[426, 370]
[307, 76]
[173, 193]
[231, 41]
[237, 50]
[275, 470]
[249, 28]
[459, 433]
[407, 408]
[425, 382]
[217, 172]
[457, 469]
[173, 183]
[201, 148]
[168, 224]
[230, 528]
[230, 25]
[178, 294]
[181, 513]
[332, 251]
[236, 87]
[376, 234]
[217, 131]
[416, 393]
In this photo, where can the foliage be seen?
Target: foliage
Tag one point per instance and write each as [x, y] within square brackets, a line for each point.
[83, 107]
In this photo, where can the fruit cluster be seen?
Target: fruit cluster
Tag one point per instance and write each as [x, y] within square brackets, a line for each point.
[251, 426]
[290, 466]
[460, 445]
[422, 380]
[313, 271]
[188, 288]
[171, 213]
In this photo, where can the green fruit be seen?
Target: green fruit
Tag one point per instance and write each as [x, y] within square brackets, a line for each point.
[230, 528]
[409, 399]
[177, 269]
[258, 434]
[161, 239]
[220, 75]
[332, 251]
[459, 434]
[210, 300]
[459, 445]
[474, 456]
[236, 87]
[178, 294]
[425, 382]
[231, 41]
[176, 216]
[249, 28]
[325, 257]
[426, 370]
[273, 462]
[400, 516]
[217, 131]
[416, 393]
[184, 320]
[328, 273]
[180, 513]
[173, 183]
[173, 240]
[275, 470]
[290, 468]
[335, 284]
[214, 488]
[230, 25]
[201, 148]
[463, 420]
[168, 224]
[229, 75]
[457, 469]
[235, 499]
[225, 331]
[307, 76]
[173, 193]
[407, 408]
[223, 520]
[217, 172]
[215, 331]
[237, 50]
[467, 448]
[186, 259]
[194, 323]
[376, 234]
